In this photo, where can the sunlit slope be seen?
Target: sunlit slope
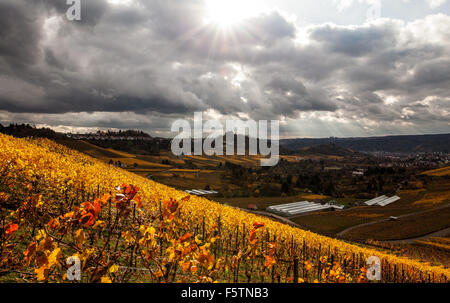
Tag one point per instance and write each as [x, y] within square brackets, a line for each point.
[108, 154]
[445, 171]
[55, 168]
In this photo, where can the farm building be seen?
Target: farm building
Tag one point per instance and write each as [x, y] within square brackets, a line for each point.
[201, 192]
[382, 200]
[303, 207]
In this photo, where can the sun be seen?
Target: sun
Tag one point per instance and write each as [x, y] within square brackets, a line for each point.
[226, 13]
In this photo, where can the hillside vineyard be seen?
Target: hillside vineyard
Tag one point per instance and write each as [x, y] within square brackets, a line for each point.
[57, 203]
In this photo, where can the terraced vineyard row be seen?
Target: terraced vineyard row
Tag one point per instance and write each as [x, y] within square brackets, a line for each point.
[57, 203]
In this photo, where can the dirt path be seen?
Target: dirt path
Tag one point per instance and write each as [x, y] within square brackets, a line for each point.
[159, 172]
[340, 234]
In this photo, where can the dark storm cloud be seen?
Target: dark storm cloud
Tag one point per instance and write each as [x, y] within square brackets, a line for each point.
[354, 42]
[270, 27]
[19, 37]
[289, 95]
[171, 19]
[158, 59]
[92, 11]
[435, 73]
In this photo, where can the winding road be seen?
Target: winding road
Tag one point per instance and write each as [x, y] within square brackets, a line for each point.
[442, 232]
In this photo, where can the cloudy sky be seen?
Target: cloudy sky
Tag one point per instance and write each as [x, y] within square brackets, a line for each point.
[322, 67]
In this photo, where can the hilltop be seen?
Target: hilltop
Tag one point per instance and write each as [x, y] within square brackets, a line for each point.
[135, 141]
[330, 149]
[407, 144]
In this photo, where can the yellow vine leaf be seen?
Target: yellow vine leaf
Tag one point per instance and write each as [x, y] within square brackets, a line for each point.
[105, 280]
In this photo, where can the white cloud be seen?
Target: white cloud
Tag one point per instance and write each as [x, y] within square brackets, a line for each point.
[346, 4]
[436, 3]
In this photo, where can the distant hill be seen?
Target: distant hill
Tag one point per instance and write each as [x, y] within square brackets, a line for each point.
[26, 130]
[414, 143]
[330, 149]
[132, 141]
[111, 135]
[145, 144]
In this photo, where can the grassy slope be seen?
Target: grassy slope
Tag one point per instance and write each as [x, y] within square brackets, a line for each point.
[106, 154]
[404, 228]
[445, 171]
